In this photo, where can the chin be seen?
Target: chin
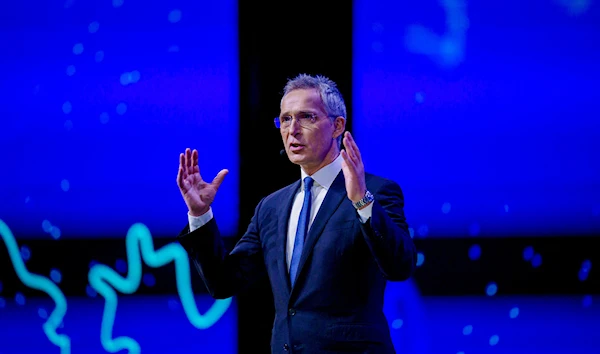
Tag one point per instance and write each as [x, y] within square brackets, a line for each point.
[295, 159]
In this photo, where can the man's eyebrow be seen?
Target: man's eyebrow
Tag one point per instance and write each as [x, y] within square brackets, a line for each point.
[298, 112]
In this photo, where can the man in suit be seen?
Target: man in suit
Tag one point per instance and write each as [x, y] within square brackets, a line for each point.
[328, 242]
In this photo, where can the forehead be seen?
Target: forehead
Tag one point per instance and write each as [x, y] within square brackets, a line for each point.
[301, 100]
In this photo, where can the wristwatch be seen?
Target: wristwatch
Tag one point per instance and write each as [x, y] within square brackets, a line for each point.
[368, 198]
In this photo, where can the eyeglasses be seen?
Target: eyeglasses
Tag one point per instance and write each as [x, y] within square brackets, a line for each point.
[305, 119]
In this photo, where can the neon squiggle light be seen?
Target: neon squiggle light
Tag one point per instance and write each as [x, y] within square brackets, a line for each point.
[104, 280]
[41, 283]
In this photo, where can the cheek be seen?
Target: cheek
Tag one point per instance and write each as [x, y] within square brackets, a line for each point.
[320, 144]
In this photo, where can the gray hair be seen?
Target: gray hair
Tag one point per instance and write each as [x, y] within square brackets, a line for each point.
[330, 95]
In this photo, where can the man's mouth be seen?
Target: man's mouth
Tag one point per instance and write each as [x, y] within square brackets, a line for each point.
[296, 147]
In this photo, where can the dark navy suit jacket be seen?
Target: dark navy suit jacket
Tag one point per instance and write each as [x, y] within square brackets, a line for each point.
[336, 304]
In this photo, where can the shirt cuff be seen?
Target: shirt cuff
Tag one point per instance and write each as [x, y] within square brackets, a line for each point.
[365, 213]
[197, 222]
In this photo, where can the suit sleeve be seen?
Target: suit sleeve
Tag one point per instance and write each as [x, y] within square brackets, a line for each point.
[225, 274]
[387, 236]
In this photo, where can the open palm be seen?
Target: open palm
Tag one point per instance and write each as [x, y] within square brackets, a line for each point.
[197, 193]
[353, 169]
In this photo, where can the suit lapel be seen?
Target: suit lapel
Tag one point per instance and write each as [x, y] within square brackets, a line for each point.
[333, 199]
[287, 199]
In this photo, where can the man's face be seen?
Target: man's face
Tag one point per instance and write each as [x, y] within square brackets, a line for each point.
[309, 144]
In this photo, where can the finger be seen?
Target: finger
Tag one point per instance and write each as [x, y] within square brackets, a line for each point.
[180, 176]
[350, 149]
[189, 161]
[219, 178]
[188, 158]
[195, 165]
[181, 160]
[182, 166]
[349, 162]
[354, 146]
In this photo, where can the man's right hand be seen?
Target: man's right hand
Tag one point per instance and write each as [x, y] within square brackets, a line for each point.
[197, 193]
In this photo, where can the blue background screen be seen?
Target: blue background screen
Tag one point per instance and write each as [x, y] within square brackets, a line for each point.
[99, 98]
[484, 112]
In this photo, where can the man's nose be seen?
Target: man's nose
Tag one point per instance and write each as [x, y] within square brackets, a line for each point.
[294, 127]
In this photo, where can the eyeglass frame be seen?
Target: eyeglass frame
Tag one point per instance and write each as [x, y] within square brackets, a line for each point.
[313, 119]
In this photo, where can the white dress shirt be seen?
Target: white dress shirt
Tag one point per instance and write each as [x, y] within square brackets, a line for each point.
[323, 179]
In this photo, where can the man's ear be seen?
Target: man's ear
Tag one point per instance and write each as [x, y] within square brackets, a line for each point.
[339, 124]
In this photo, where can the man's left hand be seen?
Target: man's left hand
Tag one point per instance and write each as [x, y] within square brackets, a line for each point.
[353, 169]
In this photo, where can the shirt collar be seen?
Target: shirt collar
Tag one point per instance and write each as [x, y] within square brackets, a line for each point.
[326, 175]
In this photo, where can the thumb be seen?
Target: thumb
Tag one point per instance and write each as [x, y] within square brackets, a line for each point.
[219, 178]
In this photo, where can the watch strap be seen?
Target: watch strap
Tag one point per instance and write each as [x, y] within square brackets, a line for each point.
[368, 198]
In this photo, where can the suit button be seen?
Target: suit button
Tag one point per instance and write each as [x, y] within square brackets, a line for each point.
[292, 312]
[286, 347]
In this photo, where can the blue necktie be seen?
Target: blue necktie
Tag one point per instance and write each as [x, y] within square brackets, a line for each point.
[302, 229]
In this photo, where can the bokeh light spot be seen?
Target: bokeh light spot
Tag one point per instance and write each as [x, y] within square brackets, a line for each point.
[377, 47]
[65, 185]
[446, 207]
[93, 27]
[104, 117]
[587, 301]
[419, 97]
[99, 56]
[528, 253]
[68, 124]
[20, 299]
[46, 226]
[78, 48]
[121, 266]
[467, 330]
[494, 339]
[25, 253]
[423, 230]
[174, 16]
[42, 313]
[474, 252]
[121, 108]
[149, 280]
[56, 276]
[66, 107]
[491, 289]
[55, 232]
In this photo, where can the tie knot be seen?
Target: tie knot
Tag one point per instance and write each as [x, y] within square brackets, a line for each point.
[308, 182]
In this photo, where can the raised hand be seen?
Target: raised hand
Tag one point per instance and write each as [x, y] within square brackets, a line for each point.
[197, 193]
[353, 169]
